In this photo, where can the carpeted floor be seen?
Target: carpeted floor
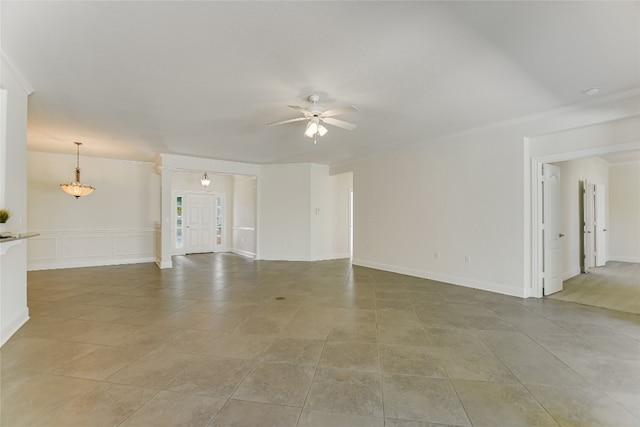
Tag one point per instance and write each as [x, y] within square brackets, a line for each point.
[616, 286]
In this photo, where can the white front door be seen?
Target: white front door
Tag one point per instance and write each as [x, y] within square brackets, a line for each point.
[600, 226]
[552, 237]
[199, 215]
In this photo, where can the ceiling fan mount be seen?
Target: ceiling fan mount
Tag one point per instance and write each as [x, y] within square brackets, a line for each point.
[317, 116]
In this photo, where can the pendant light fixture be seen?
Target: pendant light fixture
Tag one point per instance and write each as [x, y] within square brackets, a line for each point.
[75, 188]
[205, 181]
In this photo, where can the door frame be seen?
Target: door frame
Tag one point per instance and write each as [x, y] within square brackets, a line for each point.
[535, 250]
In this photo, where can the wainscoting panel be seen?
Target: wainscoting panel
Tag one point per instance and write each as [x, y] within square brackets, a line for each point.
[87, 248]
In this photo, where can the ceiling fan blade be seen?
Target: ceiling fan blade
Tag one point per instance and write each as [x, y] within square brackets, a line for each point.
[297, 119]
[339, 123]
[302, 109]
[338, 111]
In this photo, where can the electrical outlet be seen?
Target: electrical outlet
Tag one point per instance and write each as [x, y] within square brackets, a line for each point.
[467, 258]
[436, 255]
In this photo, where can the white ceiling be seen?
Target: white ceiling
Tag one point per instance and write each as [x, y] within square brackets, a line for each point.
[133, 79]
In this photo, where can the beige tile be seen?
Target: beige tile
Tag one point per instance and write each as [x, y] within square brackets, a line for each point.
[491, 404]
[403, 335]
[155, 370]
[279, 383]
[51, 357]
[609, 374]
[392, 316]
[147, 338]
[350, 355]
[294, 350]
[241, 413]
[55, 328]
[582, 407]
[104, 405]
[391, 422]
[311, 418]
[182, 319]
[29, 398]
[88, 321]
[106, 334]
[101, 363]
[211, 376]
[353, 392]
[629, 401]
[175, 409]
[354, 332]
[261, 326]
[474, 365]
[307, 328]
[410, 361]
[242, 346]
[422, 399]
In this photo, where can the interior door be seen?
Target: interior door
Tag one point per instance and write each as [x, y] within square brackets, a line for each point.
[552, 237]
[589, 226]
[600, 226]
[199, 223]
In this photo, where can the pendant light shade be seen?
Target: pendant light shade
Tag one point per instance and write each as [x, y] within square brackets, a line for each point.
[75, 188]
[205, 181]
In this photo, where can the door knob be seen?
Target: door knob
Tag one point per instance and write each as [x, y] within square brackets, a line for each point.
[560, 235]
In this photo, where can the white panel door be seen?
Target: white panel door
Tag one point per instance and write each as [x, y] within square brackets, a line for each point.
[552, 217]
[589, 226]
[199, 216]
[600, 226]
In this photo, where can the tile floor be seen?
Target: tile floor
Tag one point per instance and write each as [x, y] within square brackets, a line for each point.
[208, 344]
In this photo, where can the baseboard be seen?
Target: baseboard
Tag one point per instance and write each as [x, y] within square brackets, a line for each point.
[243, 253]
[162, 265]
[625, 259]
[12, 326]
[329, 257]
[453, 280]
[302, 258]
[88, 263]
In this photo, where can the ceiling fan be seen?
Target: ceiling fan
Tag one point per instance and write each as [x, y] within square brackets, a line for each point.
[316, 115]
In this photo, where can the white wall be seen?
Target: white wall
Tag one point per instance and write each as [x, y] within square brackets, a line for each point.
[469, 196]
[244, 215]
[572, 172]
[342, 184]
[458, 199]
[13, 196]
[284, 228]
[114, 225]
[624, 212]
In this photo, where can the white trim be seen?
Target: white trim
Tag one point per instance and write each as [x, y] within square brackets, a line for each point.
[162, 265]
[88, 263]
[9, 65]
[11, 327]
[243, 253]
[54, 249]
[625, 259]
[447, 279]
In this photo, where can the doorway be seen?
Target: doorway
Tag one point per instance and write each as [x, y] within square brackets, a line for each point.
[537, 251]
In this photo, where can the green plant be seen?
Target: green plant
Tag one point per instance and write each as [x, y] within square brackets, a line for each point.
[4, 215]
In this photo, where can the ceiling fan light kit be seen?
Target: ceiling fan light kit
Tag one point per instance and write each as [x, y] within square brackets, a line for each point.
[317, 115]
